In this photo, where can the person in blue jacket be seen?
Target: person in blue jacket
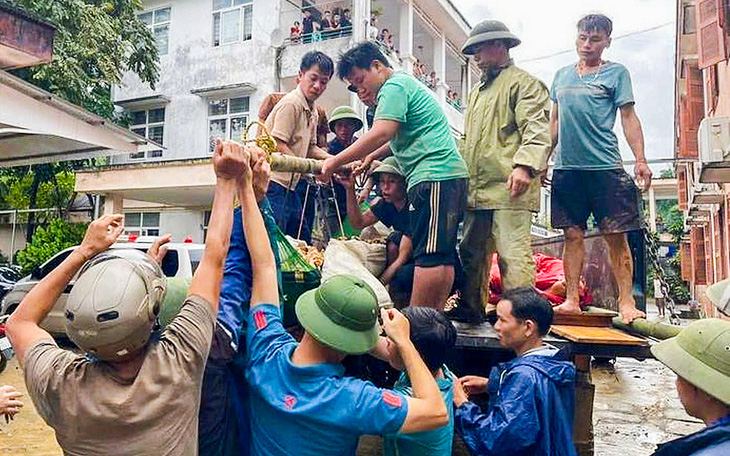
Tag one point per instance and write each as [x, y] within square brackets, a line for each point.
[530, 398]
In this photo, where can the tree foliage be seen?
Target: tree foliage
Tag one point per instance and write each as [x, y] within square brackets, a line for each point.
[48, 241]
[96, 42]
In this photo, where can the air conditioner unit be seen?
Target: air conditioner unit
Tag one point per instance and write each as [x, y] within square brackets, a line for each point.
[714, 144]
[706, 194]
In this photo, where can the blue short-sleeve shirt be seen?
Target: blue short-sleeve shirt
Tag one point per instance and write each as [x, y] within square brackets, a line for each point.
[309, 410]
[587, 114]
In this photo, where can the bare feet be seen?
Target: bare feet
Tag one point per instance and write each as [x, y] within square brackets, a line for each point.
[629, 312]
[568, 307]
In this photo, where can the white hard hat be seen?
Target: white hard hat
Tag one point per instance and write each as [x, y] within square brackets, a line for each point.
[113, 305]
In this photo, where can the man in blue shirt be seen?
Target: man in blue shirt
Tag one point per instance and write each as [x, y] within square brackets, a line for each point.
[589, 177]
[434, 337]
[223, 426]
[530, 398]
[300, 402]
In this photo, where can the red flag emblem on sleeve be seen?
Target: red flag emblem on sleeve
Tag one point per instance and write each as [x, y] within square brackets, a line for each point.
[290, 401]
[392, 399]
[259, 319]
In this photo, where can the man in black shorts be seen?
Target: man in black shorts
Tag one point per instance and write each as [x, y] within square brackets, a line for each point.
[589, 177]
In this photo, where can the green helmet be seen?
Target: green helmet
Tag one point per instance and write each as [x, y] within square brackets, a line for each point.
[114, 303]
[700, 354]
[389, 165]
[488, 31]
[342, 313]
[344, 112]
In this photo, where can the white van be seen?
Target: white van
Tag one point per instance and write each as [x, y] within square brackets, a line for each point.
[181, 260]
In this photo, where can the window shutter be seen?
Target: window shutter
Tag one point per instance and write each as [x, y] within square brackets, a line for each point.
[686, 257]
[682, 187]
[711, 94]
[691, 111]
[698, 256]
[710, 34]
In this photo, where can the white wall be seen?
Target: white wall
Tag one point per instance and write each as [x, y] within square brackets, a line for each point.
[192, 62]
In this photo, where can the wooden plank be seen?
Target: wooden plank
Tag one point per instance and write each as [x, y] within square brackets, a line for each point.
[593, 316]
[589, 335]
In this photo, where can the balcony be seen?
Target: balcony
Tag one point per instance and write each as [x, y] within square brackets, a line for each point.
[702, 194]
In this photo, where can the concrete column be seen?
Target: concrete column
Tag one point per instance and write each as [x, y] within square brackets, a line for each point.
[113, 204]
[406, 36]
[652, 209]
[361, 19]
[439, 66]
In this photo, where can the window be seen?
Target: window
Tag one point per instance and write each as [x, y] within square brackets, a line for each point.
[158, 21]
[688, 19]
[142, 223]
[232, 21]
[227, 119]
[150, 124]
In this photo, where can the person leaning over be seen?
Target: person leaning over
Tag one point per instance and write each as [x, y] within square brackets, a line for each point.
[129, 392]
[434, 337]
[300, 401]
[410, 117]
[531, 398]
[505, 144]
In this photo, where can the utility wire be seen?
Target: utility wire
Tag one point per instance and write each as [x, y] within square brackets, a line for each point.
[626, 35]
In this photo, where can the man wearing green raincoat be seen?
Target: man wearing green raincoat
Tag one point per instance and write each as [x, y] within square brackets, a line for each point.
[505, 144]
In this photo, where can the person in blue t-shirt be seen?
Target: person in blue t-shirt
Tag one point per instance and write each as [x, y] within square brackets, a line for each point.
[223, 423]
[589, 177]
[434, 337]
[300, 401]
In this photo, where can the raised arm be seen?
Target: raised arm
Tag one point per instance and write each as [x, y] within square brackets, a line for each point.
[265, 288]
[23, 326]
[635, 137]
[357, 218]
[229, 160]
[426, 409]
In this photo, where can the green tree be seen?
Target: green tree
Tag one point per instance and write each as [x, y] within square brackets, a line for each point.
[48, 241]
[96, 42]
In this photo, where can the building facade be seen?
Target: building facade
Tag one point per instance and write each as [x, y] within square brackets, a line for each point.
[702, 113]
[220, 58]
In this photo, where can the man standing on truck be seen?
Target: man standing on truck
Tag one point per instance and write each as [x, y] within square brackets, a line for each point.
[408, 115]
[589, 177]
[505, 144]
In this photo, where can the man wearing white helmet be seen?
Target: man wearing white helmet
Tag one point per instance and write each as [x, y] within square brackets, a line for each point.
[138, 394]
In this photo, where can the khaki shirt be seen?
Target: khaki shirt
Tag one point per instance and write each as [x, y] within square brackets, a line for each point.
[293, 122]
[94, 412]
[507, 123]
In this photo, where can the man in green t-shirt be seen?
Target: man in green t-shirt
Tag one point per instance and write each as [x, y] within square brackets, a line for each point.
[409, 117]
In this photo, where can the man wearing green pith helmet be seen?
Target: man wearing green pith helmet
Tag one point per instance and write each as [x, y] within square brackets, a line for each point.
[700, 356]
[301, 402]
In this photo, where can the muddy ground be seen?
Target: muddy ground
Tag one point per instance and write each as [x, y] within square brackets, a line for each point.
[636, 407]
